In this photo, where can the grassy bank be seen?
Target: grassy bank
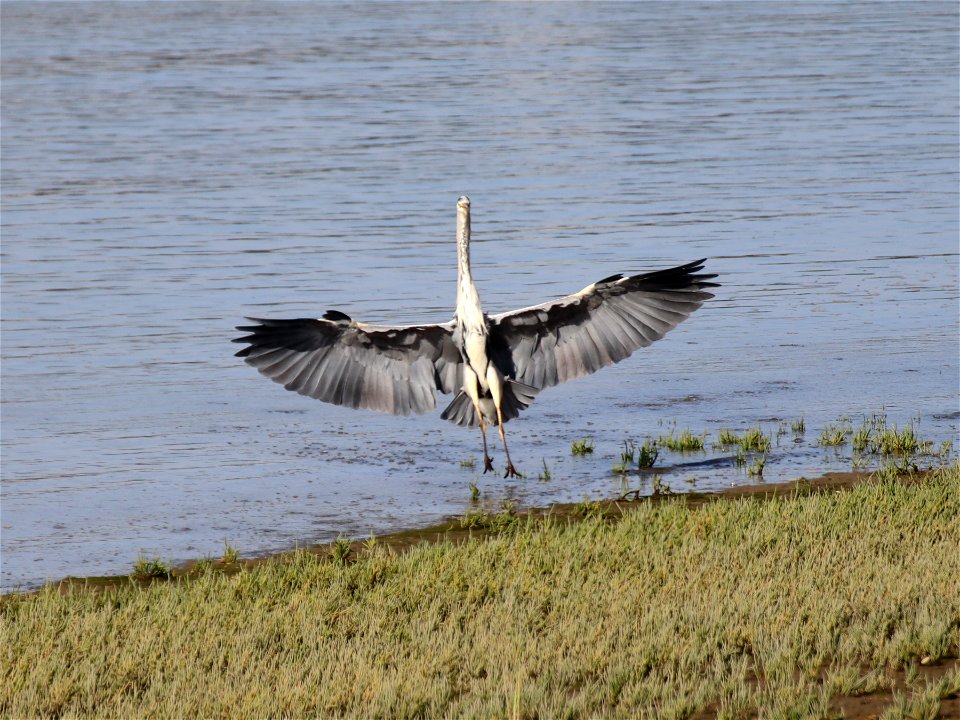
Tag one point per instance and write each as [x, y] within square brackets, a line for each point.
[774, 606]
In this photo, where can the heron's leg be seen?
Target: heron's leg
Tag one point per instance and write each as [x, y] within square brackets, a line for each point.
[495, 381]
[471, 386]
[487, 460]
[511, 470]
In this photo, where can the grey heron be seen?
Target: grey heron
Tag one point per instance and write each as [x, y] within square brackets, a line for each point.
[494, 364]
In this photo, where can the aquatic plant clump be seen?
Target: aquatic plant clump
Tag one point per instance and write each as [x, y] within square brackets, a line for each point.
[684, 441]
[582, 447]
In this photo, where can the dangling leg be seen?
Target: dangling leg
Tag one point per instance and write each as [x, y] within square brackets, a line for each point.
[495, 381]
[511, 470]
[471, 388]
[487, 460]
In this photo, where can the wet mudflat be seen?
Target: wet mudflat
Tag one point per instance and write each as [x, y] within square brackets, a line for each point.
[169, 168]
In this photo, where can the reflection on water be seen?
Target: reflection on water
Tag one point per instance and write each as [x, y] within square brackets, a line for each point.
[169, 168]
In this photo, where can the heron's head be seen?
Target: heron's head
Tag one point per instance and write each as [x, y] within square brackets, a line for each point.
[463, 202]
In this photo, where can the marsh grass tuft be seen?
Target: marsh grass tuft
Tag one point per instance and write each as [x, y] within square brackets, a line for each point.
[755, 468]
[468, 463]
[834, 435]
[753, 440]
[340, 550]
[684, 441]
[474, 492]
[648, 454]
[582, 447]
[799, 427]
[726, 438]
[643, 457]
[230, 554]
[144, 569]
[889, 440]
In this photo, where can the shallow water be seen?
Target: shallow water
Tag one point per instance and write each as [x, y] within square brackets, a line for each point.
[169, 168]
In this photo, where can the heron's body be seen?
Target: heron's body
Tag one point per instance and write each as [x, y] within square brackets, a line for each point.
[494, 365]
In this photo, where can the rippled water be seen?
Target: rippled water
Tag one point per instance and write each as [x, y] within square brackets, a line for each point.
[171, 167]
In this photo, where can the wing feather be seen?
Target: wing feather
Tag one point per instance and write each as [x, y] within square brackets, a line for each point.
[334, 359]
[604, 323]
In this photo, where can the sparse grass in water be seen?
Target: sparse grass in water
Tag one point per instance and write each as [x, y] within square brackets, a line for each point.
[474, 492]
[525, 623]
[946, 448]
[756, 467]
[726, 438]
[648, 454]
[545, 474]
[659, 487]
[627, 458]
[582, 447]
[741, 458]
[860, 442]
[834, 435]
[890, 440]
[468, 463]
[684, 441]
[754, 440]
[799, 427]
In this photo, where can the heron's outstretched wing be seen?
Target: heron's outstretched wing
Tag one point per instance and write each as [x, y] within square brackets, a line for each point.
[395, 370]
[602, 324]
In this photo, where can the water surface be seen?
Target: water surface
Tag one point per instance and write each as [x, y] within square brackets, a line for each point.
[171, 167]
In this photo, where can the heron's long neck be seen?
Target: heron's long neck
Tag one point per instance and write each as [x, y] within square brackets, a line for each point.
[467, 297]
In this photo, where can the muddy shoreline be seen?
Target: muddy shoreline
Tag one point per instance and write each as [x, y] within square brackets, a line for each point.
[453, 530]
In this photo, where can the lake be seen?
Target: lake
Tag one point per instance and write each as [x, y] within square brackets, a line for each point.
[171, 167]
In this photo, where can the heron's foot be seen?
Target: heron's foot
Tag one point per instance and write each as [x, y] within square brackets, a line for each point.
[487, 464]
[512, 471]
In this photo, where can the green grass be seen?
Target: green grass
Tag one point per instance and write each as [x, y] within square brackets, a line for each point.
[468, 463]
[544, 475]
[753, 440]
[683, 441]
[230, 554]
[749, 608]
[582, 447]
[648, 454]
[834, 435]
[144, 569]
[799, 427]
[755, 469]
